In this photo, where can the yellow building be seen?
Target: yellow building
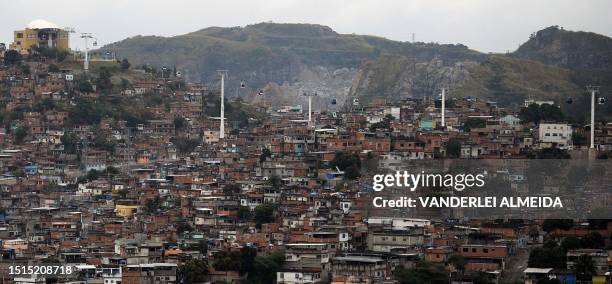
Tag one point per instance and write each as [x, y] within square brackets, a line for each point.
[40, 33]
[126, 211]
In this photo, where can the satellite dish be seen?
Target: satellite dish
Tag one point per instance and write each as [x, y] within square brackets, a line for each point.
[569, 100]
[178, 74]
[355, 101]
[601, 100]
[242, 85]
[261, 92]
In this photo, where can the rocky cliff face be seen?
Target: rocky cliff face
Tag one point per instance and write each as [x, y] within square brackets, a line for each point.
[290, 59]
[287, 60]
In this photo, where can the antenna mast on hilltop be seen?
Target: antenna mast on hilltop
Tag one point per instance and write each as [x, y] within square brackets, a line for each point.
[223, 74]
[86, 36]
[594, 90]
[310, 95]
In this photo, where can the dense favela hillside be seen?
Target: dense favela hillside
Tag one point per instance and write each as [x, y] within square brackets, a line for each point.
[125, 174]
[287, 60]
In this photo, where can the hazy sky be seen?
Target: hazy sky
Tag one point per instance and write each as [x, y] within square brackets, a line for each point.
[484, 25]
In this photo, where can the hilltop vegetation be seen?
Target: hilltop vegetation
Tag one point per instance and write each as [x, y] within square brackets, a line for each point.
[569, 49]
[268, 52]
[554, 64]
[510, 81]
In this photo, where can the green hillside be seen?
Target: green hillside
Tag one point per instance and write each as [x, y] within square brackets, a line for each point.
[569, 49]
[270, 52]
[510, 81]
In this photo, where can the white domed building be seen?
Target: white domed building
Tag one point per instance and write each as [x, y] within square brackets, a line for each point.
[40, 33]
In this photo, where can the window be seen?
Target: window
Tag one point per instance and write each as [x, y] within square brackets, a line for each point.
[19, 35]
[473, 250]
[485, 250]
[465, 250]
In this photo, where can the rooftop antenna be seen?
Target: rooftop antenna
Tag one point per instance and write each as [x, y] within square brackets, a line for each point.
[223, 74]
[413, 36]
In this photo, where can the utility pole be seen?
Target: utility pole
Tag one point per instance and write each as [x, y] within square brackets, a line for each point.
[310, 107]
[223, 74]
[443, 107]
[594, 90]
[86, 36]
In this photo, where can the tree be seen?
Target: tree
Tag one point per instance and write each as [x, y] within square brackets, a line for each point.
[53, 68]
[482, 277]
[384, 124]
[264, 213]
[458, 262]
[265, 154]
[570, 243]
[183, 227]
[125, 64]
[265, 268]
[593, 240]
[84, 86]
[103, 82]
[275, 182]
[549, 153]
[226, 261]
[153, 205]
[584, 268]
[25, 69]
[232, 188]
[549, 256]
[578, 139]
[247, 258]
[193, 271]
[544, 112]
[179, 123]
[423, 272]
[12, 57]
[92, 175]
[244, 213]
[474, 122]
[20, 135]
[453, 148]
[185, 145]
[348, 162]
[125, 83]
